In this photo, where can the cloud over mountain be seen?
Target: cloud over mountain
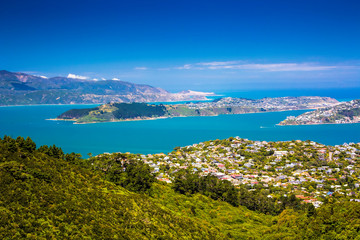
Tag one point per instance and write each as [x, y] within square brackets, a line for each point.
[74, 76]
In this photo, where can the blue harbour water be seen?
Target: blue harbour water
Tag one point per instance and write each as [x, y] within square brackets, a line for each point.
[162, 135]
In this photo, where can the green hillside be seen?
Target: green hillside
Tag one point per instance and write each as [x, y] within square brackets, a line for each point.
[46, 194]
[114, 112]
[49, 195]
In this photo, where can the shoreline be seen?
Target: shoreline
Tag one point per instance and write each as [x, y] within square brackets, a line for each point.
[123, 120]
[70, 104]
[39, 105]
[310, 124]
[165, 117]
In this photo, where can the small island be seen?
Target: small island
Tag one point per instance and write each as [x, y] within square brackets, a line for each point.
[347, 112]
[113, 112]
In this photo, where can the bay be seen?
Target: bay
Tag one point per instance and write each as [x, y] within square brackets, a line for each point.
[162, 135]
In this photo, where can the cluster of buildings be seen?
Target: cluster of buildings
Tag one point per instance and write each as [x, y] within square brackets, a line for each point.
[310, 170]
[348, 112]
[268, 104]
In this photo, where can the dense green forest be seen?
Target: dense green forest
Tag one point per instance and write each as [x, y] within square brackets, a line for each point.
[134, 110]
[114, 112]
[47, 194]
[77, 113]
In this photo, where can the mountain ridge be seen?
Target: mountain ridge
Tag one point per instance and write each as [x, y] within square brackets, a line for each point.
[18, 88]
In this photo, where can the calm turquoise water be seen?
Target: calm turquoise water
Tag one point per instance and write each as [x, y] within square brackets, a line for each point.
[159, 135]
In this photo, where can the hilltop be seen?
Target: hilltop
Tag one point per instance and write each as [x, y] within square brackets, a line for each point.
[142, 111]
[24, 89]
[347, 112]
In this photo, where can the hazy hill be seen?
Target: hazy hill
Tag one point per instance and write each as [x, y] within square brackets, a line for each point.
[22, 88]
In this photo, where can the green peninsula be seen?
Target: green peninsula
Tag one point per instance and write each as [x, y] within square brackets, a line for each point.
[112, 112]
[347, 112]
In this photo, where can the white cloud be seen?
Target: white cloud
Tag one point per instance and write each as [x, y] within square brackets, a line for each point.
[45, 77]
[273, 67]
[285, 67]
[77, 76]
[95, 79]
[140, 68]
[186, 66]
[218, 63]
[103, 78]
[115, 79]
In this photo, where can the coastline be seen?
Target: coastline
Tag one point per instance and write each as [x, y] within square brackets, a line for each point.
[120, 120]
[149, 102]
[165, 117]
[61, 104]
[310, 124]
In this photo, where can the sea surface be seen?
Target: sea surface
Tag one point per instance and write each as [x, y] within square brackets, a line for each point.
[162, 135]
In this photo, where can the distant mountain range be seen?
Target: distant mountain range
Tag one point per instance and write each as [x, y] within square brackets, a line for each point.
[22, 89]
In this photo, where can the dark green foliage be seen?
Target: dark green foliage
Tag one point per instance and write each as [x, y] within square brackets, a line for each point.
[138, 177]
[131, 174]
[52, 151]
[75, 158]
[135, 110]
[332, 221]
[189, 183]
[45, 197]
[27, 144]
[186, 182]
[76, 113]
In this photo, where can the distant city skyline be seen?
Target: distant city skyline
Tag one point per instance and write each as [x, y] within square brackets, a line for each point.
[177, 45]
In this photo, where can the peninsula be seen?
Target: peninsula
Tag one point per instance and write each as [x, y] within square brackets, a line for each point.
[347, 112]
[112, 112]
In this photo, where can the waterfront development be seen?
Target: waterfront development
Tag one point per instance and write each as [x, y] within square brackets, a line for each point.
[347, 112]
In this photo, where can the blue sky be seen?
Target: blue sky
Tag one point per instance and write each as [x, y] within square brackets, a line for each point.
[177, 45]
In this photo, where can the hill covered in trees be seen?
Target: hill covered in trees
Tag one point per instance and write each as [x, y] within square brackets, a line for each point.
[115, 112]
[46, 194]
[134, 111]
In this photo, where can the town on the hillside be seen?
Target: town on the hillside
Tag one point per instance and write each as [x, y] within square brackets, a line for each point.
[347, 112]
[309, 170]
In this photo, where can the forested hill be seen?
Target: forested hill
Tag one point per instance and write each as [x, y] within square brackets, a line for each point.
[46, 194]
[135, 111]
[23, 89]
[115, 112]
